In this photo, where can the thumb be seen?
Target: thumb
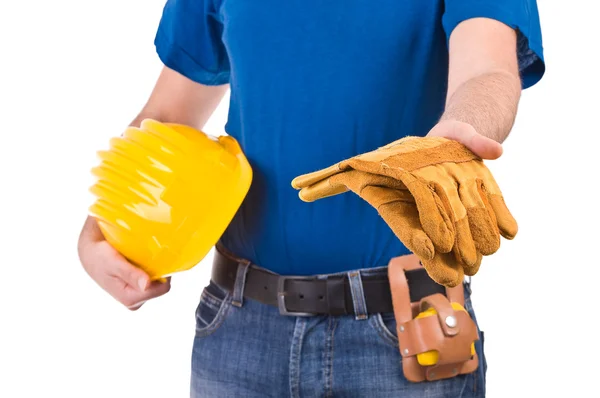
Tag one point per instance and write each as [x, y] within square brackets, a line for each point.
[484, 147]
[133, 276]
[129, 273]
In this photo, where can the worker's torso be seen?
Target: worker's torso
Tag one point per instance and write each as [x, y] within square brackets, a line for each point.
[314, 82]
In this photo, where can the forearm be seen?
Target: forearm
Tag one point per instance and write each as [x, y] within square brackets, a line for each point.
[487, 102]
[176, 99]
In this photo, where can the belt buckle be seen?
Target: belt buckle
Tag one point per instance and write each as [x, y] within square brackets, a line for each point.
[281, 296]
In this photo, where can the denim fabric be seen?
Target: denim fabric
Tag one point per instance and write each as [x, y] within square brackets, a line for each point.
[253, 351]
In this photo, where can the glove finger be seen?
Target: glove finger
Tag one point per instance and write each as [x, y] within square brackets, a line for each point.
[356, 180]
[444, 269]
[464, 246]
[433, 215]
[472, 269]
[506, 222]
[322, 189]
[481, 218]
[434, 220]
[306, 180]
[490, 190]
[399, 211]
[342, 182]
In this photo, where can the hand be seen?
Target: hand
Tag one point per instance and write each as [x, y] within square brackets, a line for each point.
[125, 282]
[482, 146]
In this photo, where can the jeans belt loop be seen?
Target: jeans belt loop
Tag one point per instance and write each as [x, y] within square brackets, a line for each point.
[240, 282]
[358, 295]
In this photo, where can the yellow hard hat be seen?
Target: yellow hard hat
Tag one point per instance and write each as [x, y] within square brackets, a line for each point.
[165, 193]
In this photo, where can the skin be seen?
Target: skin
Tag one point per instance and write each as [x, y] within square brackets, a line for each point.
[483, 93]
[484, 87]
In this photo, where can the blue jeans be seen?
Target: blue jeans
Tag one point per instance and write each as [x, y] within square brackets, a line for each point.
[253, 351]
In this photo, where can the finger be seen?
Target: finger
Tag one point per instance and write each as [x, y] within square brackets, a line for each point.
[346, 180]
[136, 306]
[472, 269]
[506, 222]
[481, 219]
[463, 246]
[357, 180]
[482, 146]
[399, 211]
[306, 180]
[444, 269]
[134, 299]
[433, 214]
[320, 190]
[491, 194]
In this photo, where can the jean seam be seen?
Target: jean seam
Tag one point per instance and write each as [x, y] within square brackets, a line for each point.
[328, 360]
[295, 357]
[211, 301]
[209, 294]
[217, 321]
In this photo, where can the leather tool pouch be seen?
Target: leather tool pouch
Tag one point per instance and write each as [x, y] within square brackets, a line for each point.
[446, 335]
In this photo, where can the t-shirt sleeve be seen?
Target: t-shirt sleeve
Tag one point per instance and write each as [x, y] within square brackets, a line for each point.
[521, 15]
[189, 41]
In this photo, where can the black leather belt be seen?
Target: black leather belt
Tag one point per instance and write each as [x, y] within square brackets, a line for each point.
[305, 296]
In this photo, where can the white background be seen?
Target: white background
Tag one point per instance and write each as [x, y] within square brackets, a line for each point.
[75, 73]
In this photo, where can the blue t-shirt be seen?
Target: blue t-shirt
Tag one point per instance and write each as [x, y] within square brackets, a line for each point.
[315, 82]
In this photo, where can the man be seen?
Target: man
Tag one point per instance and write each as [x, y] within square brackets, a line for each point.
[313, 83]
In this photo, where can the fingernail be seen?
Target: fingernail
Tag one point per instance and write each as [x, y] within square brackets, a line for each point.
[142, 284]
[137, 305]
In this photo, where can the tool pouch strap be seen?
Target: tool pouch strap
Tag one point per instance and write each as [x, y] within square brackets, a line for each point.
[449, 332]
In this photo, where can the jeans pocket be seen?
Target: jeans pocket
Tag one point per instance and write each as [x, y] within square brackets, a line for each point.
[385, 325]
[212, 309]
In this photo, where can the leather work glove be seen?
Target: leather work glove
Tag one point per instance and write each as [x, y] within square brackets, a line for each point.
[458, 204]
[396, 205]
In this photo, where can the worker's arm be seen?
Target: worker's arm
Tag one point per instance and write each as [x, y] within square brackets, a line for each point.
[484, 86]
[177, 99]
[174, 99]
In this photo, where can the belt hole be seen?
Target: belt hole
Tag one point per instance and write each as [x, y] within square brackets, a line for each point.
[301, 296]
[321, 297]
[265, 287]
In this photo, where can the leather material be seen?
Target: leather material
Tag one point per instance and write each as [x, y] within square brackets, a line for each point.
[438, 197]
[331, 296]
[452, 341]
